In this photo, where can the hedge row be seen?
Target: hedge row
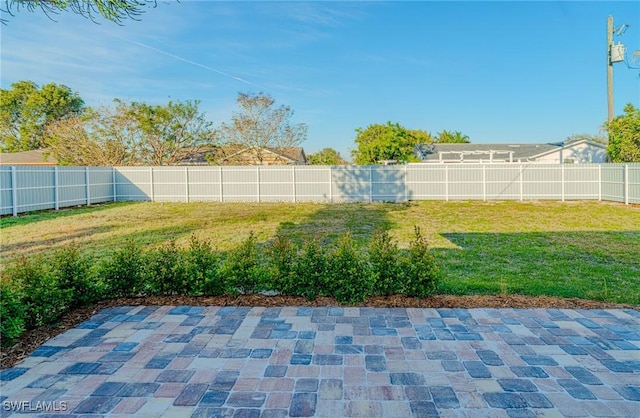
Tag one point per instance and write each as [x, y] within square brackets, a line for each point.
[37, 290]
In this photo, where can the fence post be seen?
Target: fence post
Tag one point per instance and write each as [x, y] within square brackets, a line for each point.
[599, 182]
[484, 182]
[521, 182]
[14, 190]
[406, 192]
[293, 173]
[258, 181]
[370, 183]
[330, 184]
[56, 192]
[86, 182]
[220, 177]
[151, 183]
[626, 184]
[562, 170]
[446, 183]
[186, 183]
[113, 182]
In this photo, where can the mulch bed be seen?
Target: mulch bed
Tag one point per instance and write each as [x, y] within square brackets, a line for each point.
[32, 339]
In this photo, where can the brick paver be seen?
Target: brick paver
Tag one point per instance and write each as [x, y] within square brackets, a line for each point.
[334, 362]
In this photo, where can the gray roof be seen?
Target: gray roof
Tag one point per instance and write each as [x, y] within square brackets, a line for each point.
[33, 157]
[432, 152]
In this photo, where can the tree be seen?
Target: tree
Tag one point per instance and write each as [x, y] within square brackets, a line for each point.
[25, 110]
[103, 137]
[130, 134]
[326, 156]
[112, 10]
[379, 142]
[447, 137]
[624, 136]
[172, 133]
[259, 125]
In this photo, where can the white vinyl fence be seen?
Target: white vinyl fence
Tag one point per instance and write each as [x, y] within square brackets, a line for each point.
[29, 188]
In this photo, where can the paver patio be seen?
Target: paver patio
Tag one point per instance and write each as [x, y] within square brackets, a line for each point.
[332, 362]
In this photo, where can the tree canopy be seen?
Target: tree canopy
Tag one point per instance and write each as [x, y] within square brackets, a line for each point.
[624, 136]
[448, 137]
[130, 134]
[326, 156]
[377, 143]
[26, 109]
[259, 125]
[113, 10]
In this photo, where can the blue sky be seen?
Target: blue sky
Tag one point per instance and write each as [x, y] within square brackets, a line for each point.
[501, 71]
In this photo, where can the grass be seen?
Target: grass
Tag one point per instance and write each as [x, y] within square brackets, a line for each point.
[586, 250]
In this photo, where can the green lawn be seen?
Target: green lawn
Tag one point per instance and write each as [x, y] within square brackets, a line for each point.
[588, 250]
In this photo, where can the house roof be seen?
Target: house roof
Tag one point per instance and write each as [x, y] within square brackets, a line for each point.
[477, 152]
[291, 155]
[33, 157]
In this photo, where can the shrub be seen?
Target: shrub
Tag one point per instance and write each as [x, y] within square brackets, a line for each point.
[44, 301]
[420, 268]
[282, 262]
[309, 272]
[74, 275]
[123, 272]
[166, 271]
[12, 313]
[203, 269]
[349, 276]
[386, 266]
[242, 268]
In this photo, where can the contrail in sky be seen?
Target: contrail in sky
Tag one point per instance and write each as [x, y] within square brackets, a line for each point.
[199, 65]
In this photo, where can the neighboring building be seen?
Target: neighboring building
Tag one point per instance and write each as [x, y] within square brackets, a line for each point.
[237, 155]
[576, 152]
[33, 157]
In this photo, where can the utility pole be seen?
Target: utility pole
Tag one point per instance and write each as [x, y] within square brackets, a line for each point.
[609, 68]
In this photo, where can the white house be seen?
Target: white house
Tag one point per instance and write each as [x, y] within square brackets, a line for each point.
[574, 152]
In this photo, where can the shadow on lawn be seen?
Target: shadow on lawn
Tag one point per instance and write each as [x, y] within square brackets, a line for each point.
[599, 265]
[331, 222]
[43, 215]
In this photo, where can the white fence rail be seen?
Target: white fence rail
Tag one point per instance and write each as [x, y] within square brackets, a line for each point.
[28, 188]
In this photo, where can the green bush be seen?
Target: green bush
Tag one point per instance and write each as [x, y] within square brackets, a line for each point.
[386, 264]
[203, 269]
[166, 271]
[75, 276]
[348, 276]
[12, 313]
[124, 272]
[243, 269]
[309, 271]
[43, 299]
[420, 268]
[282, 262]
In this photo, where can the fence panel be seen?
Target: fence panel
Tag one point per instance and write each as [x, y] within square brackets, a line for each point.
[30, 188]
[633, 183]
[240, 184]
[351, 184]
[612, 182]
[581, 182]
[313, 183]
[72, 186]
[205, 184]
[6, 190]
[133, 183]
[427, 182]
[388, 183]
[503, 182]
[100, 185]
